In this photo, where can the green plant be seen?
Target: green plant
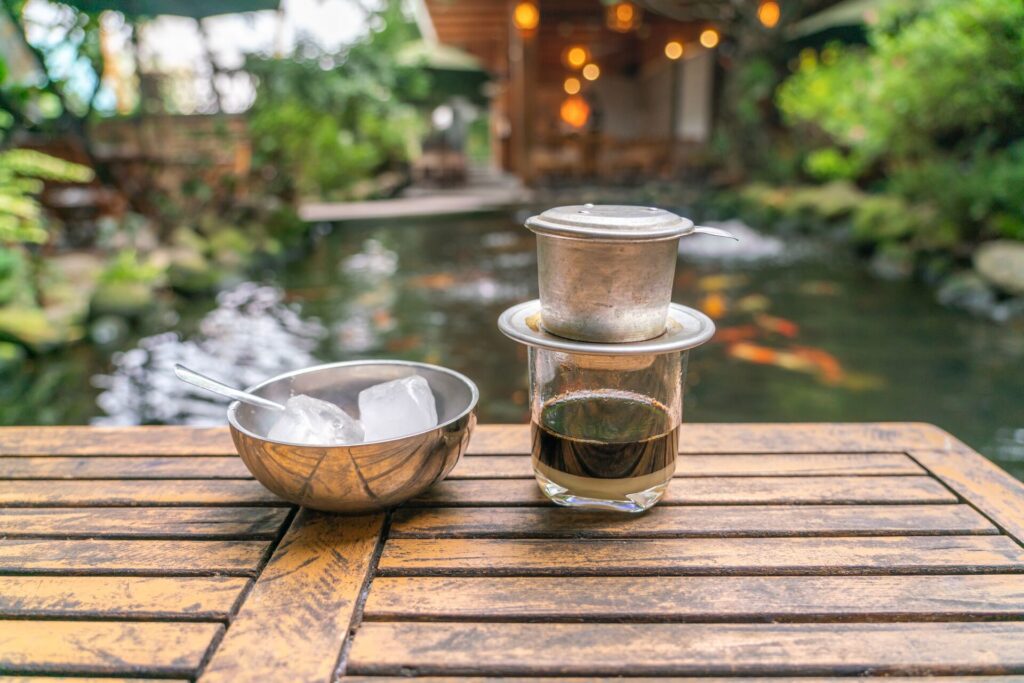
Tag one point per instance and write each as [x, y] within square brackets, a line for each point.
[930, 110]
[125, 267]
[22, 172]
[321, 123]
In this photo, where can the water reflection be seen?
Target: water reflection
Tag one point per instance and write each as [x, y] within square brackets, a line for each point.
[251, 335]
[805, 335]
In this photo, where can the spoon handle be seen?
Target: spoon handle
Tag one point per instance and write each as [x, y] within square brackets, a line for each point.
[204, 382]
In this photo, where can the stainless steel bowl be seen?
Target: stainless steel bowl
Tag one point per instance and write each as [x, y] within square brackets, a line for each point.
[365, 477]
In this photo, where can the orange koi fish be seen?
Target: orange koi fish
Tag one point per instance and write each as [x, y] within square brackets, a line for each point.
[714, 305]
[731, 335]
[787, 328]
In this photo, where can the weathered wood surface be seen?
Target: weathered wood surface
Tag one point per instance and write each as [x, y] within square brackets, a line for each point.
[294, 623]
[692, 521]
[686, 679]
[977, 479]
[868, 437]
[681, 649]
[714, 490]
[84, 493]
[781, 550]
[142, 522]
[499, 439]
[123, 467]
[698, 598]
[788, 464]
[100, 647]
[837, 555]
[135, 597]
[88, 556]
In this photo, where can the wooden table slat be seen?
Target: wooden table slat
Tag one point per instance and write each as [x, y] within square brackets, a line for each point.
[861, 437]
[698, 598]
[686, 679]
[104, 647]
[694, 521]
[788, 464]
[123, 467]
[85, 493]
[864, 437]
[143, 522]
[813, 555]
[151, 440]
[87, 556]
[137, 597]
[667, 649]
[714, 490]
[297, 617]
[780, 550]
[985, 485]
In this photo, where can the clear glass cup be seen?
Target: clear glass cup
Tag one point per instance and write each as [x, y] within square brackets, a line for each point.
[605, 428]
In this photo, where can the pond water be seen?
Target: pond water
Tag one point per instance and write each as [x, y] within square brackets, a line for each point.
[812, 337]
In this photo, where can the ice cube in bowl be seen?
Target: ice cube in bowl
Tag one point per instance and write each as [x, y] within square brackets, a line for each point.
[396, 408]
[310, 421]
[361, 477]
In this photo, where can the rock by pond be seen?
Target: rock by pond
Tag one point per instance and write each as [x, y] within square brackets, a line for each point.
[1001, 263]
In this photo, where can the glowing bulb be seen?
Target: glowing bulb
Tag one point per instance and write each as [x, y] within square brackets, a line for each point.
[768, 13]
[591, 72]
[571, 85]
[673, 49]
[575, 111]
[709, 38]
[526, 16]
[577, 56]
[622, 17]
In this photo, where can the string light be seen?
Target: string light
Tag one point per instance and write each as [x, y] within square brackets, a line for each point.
[575, 111]
[571, 85]
[591, 72]
[673, 49]
[709, 38]
[576, 56]
[526, 16]
[622, 17]
[768, 13]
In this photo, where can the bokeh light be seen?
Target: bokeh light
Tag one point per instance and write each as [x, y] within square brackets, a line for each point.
[709, 38]
[768, 13]
[571, 85]
[526, 16]
[575, 111]
[576, 56]
[673, 49]
[591, 72]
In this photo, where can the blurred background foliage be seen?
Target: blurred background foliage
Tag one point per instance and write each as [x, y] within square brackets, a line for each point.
[928, 112]
[334, 126]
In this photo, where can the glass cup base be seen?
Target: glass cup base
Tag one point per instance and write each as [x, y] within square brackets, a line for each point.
[635, 502]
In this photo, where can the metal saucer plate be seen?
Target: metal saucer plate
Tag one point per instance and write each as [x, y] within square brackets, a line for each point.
[687, 328]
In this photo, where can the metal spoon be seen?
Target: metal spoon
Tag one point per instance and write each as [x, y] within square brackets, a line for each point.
[204, 382]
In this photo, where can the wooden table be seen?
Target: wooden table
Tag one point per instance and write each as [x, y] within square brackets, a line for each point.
[878, 549]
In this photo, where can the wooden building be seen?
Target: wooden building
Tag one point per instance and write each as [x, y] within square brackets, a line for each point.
[589, 88]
